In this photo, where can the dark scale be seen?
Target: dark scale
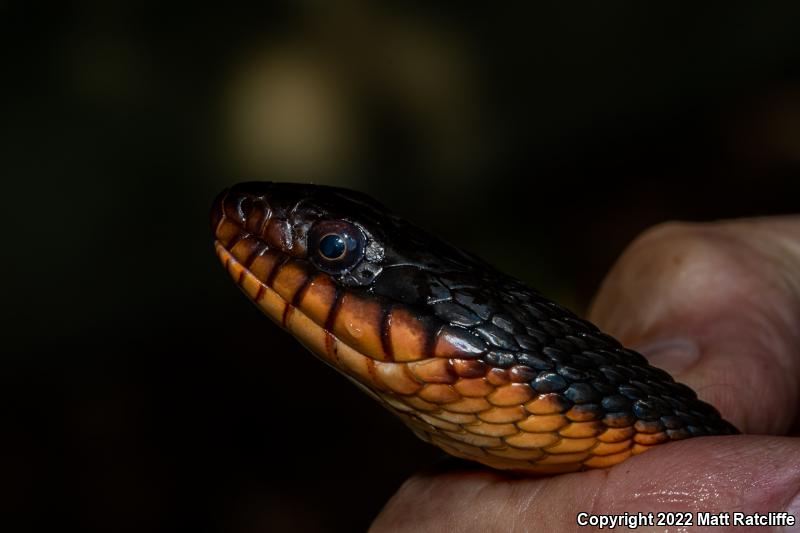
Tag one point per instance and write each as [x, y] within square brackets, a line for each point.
[549, 382]
[456, 314]
[649, 426]
[579, 343]
[582, 393]
[478, 305]
[534, 361]
[539, 335]
[552, 328]
[508, 324]
[526, 342]
[617, 403]
[588, 411]
[497, 337]
[500, 359]
[619, 419]
[556, 355]
[606, 390]
[522, 373]
[572, 373]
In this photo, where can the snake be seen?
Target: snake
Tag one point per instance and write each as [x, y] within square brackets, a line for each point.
[472, 360]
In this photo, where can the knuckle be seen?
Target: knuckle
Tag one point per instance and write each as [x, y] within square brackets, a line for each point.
[674, 235]
[684, 251]
[693, 262]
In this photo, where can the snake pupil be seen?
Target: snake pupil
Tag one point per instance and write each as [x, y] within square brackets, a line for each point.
[332, 247]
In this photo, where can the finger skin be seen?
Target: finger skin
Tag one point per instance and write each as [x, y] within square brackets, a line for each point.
[713, 474]
[727, 291]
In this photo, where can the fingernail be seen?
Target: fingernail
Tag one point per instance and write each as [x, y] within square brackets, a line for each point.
[672, 355]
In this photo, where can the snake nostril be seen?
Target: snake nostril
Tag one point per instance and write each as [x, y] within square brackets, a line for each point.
[244, 208]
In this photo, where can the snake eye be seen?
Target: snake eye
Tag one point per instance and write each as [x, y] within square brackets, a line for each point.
[332, 247]
[335, 246]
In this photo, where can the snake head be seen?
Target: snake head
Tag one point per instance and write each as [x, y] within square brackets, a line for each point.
[371, 279]
[470, 359]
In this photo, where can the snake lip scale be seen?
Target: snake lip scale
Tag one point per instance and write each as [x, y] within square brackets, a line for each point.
[472, 360]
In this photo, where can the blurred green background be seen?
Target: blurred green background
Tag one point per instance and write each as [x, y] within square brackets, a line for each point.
[141, 392]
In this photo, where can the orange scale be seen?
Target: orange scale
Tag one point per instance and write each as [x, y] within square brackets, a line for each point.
[611, 448]
[408, 335]
[650, 439]
[604, 461]
[616, 434]
[358, 324]
[513, 394]
[498, 377]
[291, 277]
[397, 377]
[318, 299]
[439, 393]
[433, 370]
[542, 423]
[576, 430]
[492, 430]
[499, 415]
[532, 440]
[475, 387]
[572, 445]
[563, 458]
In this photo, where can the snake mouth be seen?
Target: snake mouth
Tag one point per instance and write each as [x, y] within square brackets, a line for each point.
[254, 245]
[277, 288]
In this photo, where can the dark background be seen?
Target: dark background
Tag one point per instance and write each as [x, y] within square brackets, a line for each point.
[140, 390]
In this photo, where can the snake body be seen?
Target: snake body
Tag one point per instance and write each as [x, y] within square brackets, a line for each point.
[469, 358]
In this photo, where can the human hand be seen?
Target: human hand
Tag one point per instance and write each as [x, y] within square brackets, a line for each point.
[718, 306]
